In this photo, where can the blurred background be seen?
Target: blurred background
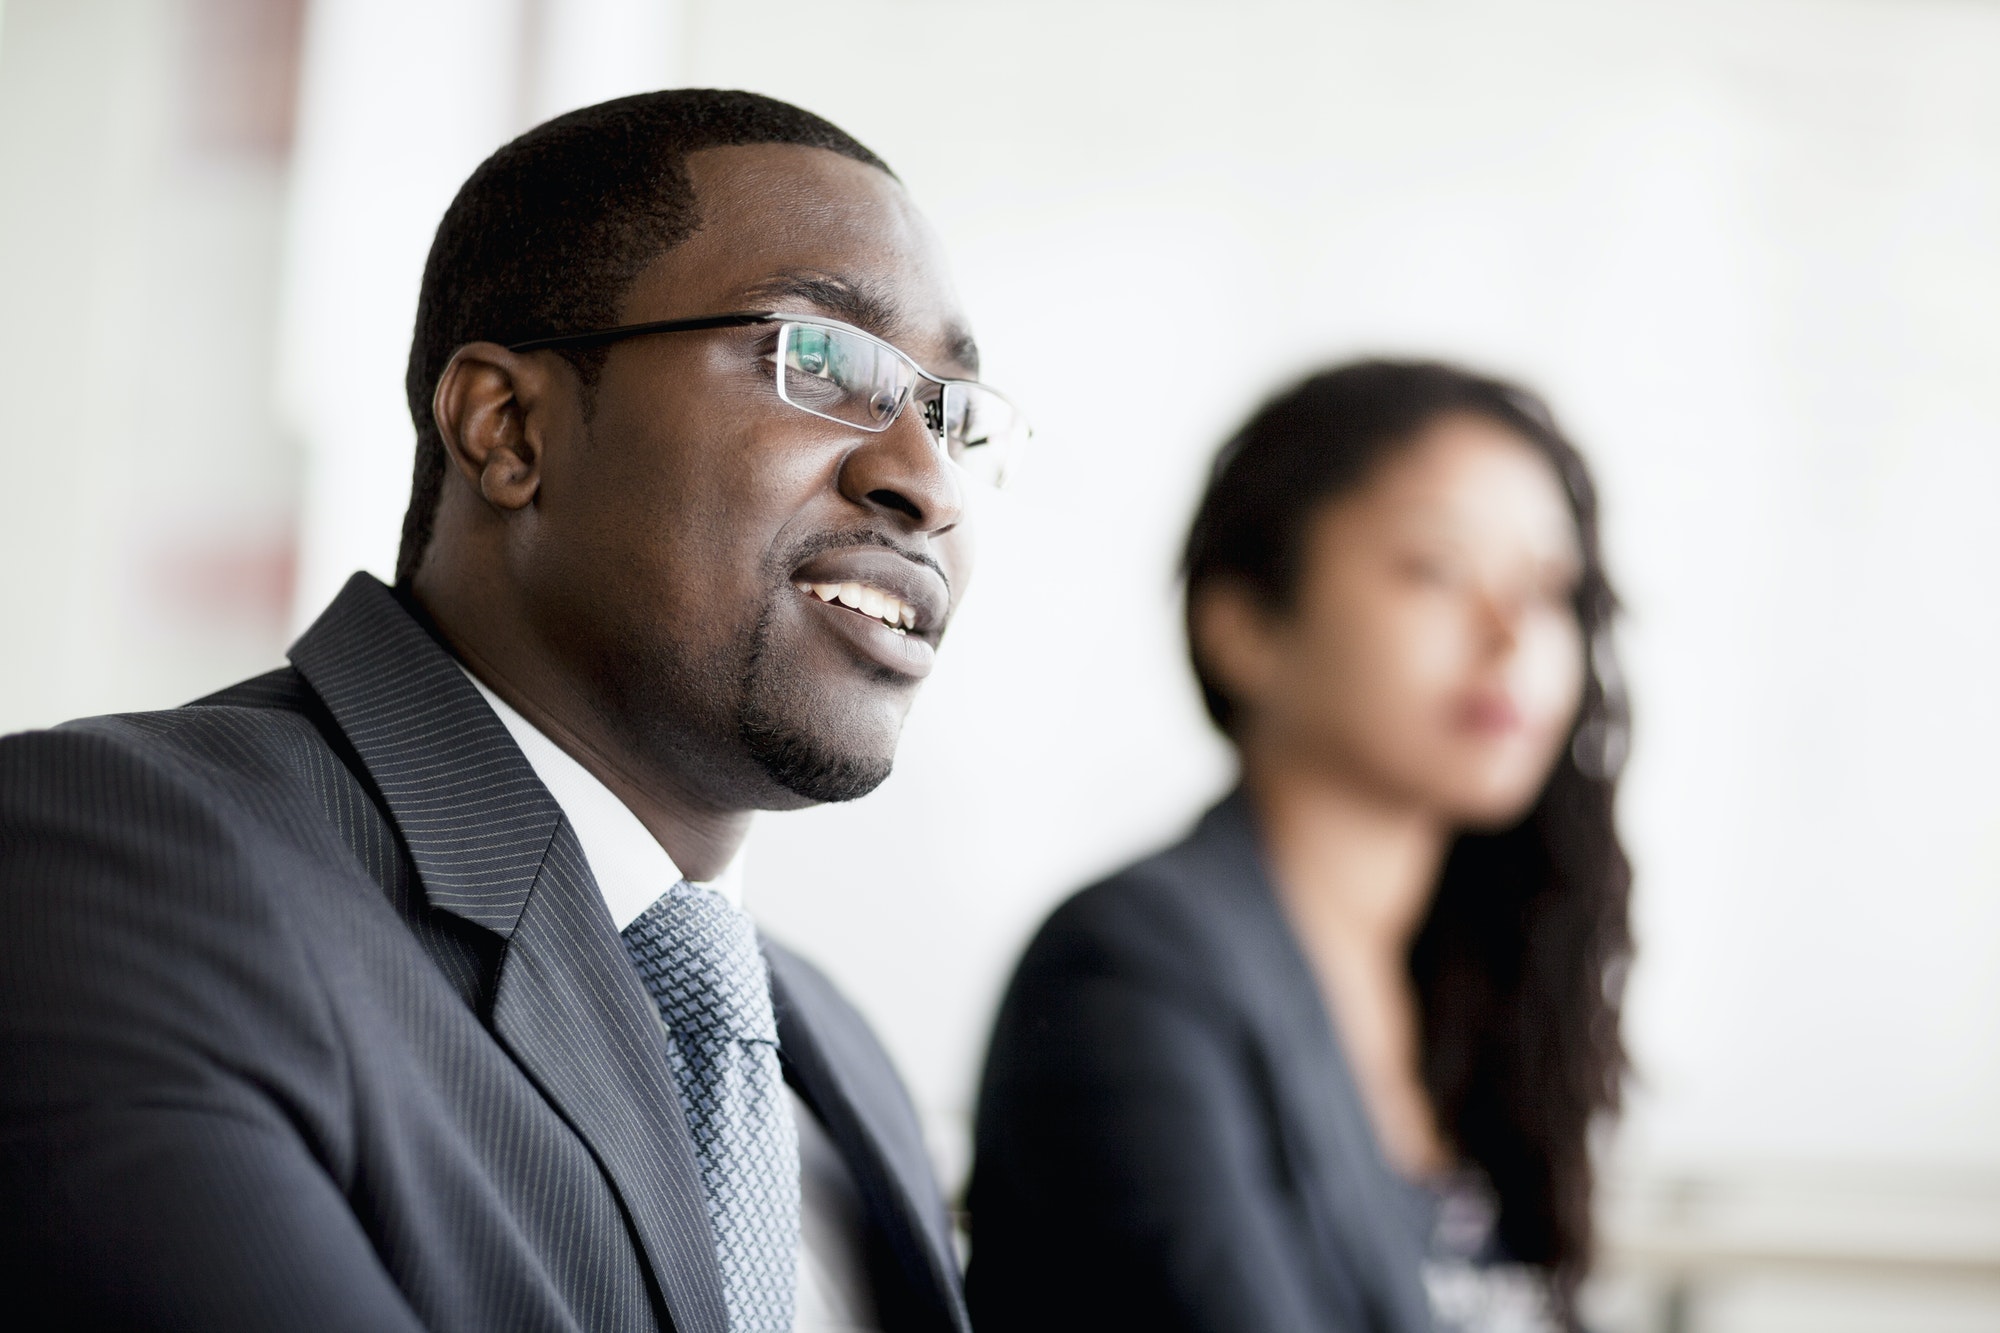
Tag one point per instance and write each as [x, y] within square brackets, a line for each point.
[1751, 251]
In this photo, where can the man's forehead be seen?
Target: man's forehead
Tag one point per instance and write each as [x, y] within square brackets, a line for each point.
[807, 230]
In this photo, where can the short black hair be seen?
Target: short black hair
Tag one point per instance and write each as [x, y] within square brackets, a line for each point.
[547, 234]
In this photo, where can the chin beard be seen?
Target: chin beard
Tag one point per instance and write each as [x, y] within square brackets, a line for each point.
[796, 761]
[775, 721]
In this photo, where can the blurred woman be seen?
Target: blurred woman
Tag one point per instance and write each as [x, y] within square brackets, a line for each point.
[1332, 1062]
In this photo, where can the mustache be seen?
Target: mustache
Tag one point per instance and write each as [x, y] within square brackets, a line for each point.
[820, 543]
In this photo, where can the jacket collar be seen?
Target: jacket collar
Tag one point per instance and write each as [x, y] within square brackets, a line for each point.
[491, 846]
[475, 817]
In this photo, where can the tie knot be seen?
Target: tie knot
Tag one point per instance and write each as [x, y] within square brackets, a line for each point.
[699, 958]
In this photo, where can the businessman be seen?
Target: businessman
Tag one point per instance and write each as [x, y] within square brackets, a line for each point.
[406, 986]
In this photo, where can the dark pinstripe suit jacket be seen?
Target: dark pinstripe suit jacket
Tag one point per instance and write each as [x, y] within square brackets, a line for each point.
[311, 1016]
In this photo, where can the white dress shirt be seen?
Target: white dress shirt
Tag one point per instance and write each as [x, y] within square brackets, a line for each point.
[632, 871]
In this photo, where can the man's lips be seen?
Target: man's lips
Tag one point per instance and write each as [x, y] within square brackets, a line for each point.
[889, 606]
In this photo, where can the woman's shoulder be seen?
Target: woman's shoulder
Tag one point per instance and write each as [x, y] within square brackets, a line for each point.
[1174, 912]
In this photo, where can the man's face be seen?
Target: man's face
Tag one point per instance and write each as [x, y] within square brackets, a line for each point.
[680, 532]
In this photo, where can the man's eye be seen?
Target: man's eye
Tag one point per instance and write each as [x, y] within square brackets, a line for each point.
[812, 355]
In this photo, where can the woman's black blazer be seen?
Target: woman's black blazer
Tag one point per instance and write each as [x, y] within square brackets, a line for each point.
[1168, 1136]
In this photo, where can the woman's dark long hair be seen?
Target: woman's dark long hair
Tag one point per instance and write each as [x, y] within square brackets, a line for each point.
[1519, 967]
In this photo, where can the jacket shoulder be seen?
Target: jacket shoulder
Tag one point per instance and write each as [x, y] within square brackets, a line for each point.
[249, 772]
[284, 689]
[146, 950]
[262, 735]
[178, 777]
[1162, 918]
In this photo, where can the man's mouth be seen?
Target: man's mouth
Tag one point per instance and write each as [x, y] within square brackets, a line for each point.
[879, 584]
[887, 606]
[874, 603]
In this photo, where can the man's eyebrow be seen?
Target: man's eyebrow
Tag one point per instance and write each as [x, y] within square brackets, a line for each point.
[959, 345]
[849, 302]
[857, 304]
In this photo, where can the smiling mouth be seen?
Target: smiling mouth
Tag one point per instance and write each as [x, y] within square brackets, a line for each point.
[897, 614]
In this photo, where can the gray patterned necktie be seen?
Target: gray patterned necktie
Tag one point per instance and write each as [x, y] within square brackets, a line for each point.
[699, 959]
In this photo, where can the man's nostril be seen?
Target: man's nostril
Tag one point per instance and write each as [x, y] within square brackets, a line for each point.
[897, 501]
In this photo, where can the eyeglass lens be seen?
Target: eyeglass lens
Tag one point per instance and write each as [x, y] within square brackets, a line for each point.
[844, 376]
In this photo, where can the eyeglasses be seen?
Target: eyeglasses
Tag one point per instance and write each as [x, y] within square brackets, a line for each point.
[839, 373]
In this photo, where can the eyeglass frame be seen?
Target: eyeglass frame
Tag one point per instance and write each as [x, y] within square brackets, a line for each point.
[748, 318]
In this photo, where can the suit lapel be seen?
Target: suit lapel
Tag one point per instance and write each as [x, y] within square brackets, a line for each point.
[490, 846]
[475, 818]
[836, 1066]
[573, 1012]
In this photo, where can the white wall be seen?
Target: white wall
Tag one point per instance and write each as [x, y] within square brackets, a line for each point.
[146, 515]
[1749, 250]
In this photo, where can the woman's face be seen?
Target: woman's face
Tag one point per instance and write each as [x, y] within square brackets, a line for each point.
[1433, 654]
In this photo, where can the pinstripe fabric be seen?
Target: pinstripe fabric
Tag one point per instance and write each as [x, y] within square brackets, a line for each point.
[473, 815]
[254, 958]
[312, 1017]
[568, 1005]
[832, 1059]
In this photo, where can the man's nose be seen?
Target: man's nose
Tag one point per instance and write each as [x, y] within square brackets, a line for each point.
[903, 473]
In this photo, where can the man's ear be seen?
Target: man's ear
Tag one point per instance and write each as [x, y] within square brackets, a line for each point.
[485, 409]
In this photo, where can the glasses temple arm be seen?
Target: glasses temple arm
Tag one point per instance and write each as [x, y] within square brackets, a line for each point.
[601, 337]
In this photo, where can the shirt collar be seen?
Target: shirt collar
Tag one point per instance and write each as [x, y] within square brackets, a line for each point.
[631, 868]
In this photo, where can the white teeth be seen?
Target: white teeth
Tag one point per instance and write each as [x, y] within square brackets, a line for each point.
[892, 611]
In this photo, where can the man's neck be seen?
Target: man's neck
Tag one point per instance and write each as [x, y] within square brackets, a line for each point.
[701, 837]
